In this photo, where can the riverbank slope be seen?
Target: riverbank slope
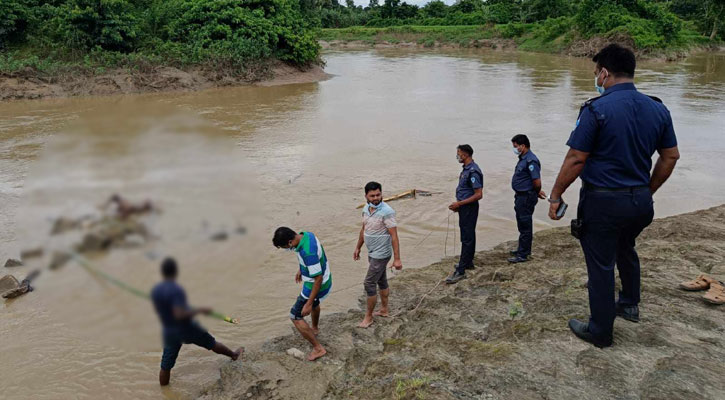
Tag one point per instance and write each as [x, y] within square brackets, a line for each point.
[34, 84]
[502, 333]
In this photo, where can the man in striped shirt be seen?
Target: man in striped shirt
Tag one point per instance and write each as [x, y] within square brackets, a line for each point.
[380, 233]
[314, 273]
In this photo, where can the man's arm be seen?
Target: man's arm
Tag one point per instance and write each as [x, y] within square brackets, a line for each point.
[477, 195]
[358, 246]
[307, 309]
[664, 167]
[397, 264]
[570, 170]
[181, 313]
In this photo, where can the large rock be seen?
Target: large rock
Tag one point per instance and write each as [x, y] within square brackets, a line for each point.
[8, 282]
[31, 253]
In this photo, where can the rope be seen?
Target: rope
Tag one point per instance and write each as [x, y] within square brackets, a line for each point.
[130, 289]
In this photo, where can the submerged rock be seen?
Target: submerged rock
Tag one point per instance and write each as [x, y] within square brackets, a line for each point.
[11, 262]
[63, 224]
[59, 259]
[219, 236]
[31, 253]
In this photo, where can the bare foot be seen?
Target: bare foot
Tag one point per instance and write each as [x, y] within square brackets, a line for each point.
[238, 354]
[366, 322]
[316, 353]
[315, 330]
[381, 313]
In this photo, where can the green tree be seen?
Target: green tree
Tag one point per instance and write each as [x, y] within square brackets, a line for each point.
[715, 13]
[435, 9]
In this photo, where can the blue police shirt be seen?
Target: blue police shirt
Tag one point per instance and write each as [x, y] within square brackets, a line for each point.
[166, 295]
[527, 170]
[471, 178]
[621, 130]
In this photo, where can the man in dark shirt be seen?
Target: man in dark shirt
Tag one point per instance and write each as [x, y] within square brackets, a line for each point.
[177, 319]
[468, 193]
[526, 184]
[611, 149]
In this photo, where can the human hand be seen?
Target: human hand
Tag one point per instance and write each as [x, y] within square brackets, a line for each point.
[307, 309]
[356, 254]
[553, 207]
[298, 277]
[542, 195]
[397, 264]
[454, 206]
[204, 310]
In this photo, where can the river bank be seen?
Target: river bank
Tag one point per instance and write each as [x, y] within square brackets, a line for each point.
[540, 38]
[502, 334]
[30, 83]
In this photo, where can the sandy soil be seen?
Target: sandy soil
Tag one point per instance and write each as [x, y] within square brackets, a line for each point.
[502, 333]
[31, 84]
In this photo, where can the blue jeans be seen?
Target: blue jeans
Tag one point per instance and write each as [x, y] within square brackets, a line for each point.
[467, 218]
[611, 223]
[524, 205]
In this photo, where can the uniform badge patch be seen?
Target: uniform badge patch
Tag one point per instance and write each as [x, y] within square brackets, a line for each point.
[531, 167]
[473, 179]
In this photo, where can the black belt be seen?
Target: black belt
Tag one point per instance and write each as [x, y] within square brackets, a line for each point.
[523, 193]
[591, 188]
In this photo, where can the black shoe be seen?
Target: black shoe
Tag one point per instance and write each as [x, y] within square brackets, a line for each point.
[518, 259]
[468, 268]
[630, 313]
[581, 330]
[513, 252]
[455, 277]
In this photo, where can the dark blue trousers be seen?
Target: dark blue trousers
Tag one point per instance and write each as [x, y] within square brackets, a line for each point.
[467, 218]
[611, 223]
[524, 205]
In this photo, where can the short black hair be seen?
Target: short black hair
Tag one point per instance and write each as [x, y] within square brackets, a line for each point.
[282, 236]
[466, 148]
[370, 186]
[521, 139]
[617, 59]
[169, 268]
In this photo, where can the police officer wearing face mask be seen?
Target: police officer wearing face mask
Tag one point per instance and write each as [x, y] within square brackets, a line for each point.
[526, 183]
[468, 193]
[611, 150]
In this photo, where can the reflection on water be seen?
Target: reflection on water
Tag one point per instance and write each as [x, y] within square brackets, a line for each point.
[294, 155]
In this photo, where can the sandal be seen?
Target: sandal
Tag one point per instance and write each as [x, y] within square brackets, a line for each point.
[702, 282]
[716, 294]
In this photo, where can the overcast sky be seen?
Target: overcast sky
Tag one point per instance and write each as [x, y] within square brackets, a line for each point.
[416, 2]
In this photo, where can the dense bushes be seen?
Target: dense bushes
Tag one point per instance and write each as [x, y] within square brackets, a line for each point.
[649, 23]
[231, 32]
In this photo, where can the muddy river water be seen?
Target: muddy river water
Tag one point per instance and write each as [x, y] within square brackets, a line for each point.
[296, 155]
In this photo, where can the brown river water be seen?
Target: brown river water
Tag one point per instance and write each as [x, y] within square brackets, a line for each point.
[295, 155]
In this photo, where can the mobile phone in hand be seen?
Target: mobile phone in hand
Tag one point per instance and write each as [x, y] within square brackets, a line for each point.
[561, 210]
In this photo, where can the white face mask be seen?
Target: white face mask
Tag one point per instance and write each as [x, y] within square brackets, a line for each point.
[516, 151]
[599, 89]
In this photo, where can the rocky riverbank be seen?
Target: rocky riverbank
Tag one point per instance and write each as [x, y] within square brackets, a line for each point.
[502, 333]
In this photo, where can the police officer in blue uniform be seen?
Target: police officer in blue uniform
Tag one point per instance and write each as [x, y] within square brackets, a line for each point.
[611, 150]
[468, 193]
[526, 183]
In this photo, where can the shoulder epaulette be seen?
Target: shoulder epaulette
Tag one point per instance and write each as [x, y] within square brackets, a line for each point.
[590, 101]
[657, 99]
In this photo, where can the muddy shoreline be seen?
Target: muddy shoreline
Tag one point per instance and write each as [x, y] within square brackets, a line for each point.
[502, 333]
[30, 84]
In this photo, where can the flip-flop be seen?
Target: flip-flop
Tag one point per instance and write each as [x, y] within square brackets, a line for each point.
[716, 294]
[702, 282]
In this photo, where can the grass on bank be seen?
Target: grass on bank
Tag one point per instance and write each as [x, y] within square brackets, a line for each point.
[550, 36]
